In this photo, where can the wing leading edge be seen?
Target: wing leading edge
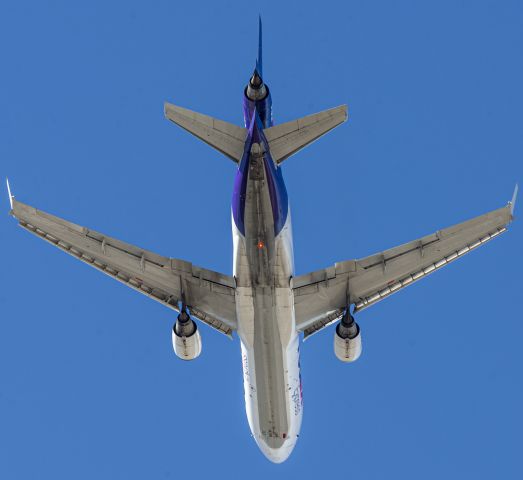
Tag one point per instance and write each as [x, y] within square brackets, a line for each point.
[321, 297]
[209, 295]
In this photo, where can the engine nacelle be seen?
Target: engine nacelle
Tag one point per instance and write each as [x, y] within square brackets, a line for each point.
[187, 342]
[347, 339]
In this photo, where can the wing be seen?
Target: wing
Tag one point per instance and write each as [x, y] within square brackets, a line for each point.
[321, 297]
[208, 294]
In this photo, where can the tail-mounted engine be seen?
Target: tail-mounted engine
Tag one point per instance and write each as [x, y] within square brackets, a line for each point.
[256, 89]
[257, 97]
[347, 339]
[187, 342]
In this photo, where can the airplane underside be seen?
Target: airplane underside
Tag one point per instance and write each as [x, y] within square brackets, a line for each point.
[263, 300]
[263, 267]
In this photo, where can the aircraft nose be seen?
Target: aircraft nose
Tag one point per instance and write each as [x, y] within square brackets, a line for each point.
[276, 450]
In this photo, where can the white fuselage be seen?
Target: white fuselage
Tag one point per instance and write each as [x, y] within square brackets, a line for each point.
[263, 268]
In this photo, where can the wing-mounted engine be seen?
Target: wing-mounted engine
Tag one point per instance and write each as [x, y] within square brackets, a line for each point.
[347, 339]
[187, 342]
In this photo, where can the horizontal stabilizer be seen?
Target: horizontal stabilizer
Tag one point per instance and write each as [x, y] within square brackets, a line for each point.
[225, 137]
[288, 138]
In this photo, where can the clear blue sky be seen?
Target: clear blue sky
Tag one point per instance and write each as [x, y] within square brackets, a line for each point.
[89, 385]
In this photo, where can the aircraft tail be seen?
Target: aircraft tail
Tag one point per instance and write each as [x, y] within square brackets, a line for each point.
[288, 138]
[259, 64]
[225, 137]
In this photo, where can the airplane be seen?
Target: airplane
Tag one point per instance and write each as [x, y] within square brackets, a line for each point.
[263, 301]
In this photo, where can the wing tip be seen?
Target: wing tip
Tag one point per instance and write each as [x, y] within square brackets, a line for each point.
[166, 106]
[346, 111]
[11, 196]
[512, 203]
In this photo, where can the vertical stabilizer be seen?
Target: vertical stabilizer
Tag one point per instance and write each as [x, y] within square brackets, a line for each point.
[259, 64]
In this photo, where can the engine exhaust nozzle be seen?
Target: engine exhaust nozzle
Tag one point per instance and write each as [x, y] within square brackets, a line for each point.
[256, 89]
[255, 81]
